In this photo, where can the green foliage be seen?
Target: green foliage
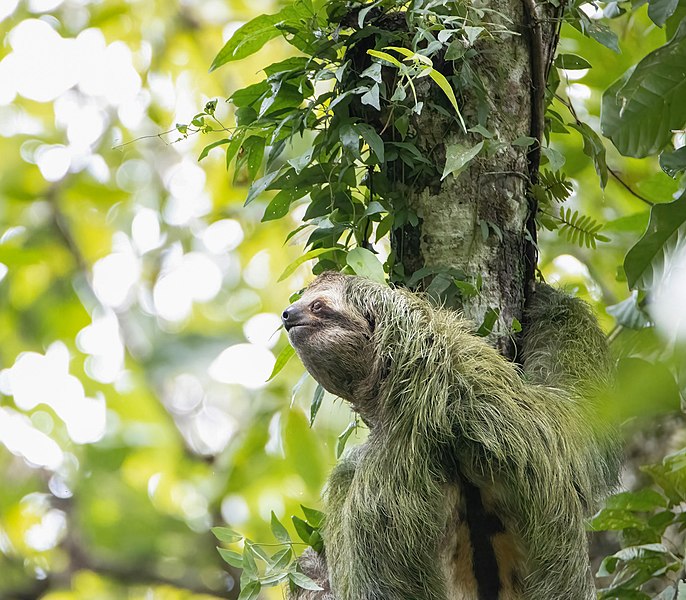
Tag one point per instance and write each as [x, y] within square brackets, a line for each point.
[263, 567]
[352, 98]
[642, 108]
[646, 520]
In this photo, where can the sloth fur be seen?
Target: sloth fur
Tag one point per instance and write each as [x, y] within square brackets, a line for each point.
[448, 414]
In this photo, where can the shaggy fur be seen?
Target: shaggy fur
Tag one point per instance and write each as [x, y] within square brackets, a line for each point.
[449, 417]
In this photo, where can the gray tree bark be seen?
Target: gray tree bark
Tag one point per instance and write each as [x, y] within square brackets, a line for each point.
[481, 222]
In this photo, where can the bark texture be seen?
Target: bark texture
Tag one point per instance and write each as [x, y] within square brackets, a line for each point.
[481, 221]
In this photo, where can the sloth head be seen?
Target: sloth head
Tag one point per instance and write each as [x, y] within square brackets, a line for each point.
[333, 336]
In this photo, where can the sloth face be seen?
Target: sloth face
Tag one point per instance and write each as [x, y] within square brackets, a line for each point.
[332, 340]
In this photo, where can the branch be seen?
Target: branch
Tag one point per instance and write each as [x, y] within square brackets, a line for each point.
[538, 83]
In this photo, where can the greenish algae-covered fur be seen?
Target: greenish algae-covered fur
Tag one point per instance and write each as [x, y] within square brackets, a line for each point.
[447, 413]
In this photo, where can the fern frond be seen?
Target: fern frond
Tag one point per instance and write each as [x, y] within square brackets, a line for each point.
[580, 229]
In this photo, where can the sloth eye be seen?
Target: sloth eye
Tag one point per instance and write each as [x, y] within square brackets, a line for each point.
[316, 306]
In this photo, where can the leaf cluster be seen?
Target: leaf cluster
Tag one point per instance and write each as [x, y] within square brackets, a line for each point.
[648, 521]
[352, 99]
[260, 566]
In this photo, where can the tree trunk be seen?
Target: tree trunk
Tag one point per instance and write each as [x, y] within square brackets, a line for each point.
[481, 222]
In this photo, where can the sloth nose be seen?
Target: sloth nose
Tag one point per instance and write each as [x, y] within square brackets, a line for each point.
[291, 317]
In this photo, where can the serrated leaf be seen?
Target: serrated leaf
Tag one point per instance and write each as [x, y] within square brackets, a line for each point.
[229, 556]
[303, 581]
[365, 263]
[645, 263]
[571, 62]
[279, 531]
[457, 158]
[226, 535]
[290, 269]
[639, 110]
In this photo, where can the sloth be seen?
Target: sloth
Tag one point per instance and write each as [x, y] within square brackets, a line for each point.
[477, 475]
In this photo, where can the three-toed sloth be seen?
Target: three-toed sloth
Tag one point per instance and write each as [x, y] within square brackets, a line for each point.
[477, 476]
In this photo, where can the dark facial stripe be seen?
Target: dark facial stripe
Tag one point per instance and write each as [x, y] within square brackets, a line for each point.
[482, 526]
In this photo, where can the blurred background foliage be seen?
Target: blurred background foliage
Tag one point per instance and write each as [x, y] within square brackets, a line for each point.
[139, 309]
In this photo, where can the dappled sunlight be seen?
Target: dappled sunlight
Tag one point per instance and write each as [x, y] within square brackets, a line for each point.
[36, 379]
[243, 364]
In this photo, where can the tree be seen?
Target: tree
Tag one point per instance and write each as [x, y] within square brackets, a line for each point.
[132, 280]
[452, 170]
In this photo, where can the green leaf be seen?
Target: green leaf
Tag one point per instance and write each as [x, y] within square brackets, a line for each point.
[206, 149]
[303, 581]
[489, 321]
[602, 34]
[639, 110]
[231, 557]
[281, 360]
[290, 269]
[226, 535]
[372, 138]
[673, 162]
[260, 186]
[279, 531]
[249, 38]
[280, 204]
[660, 10]
[303, 530]
[614, 519]
[365, 263]
[385, 56]
[280, 560]
[556, 160]
[249, 565]
[371, 98]
[343, 438]
[316, 403]
[442, 82]
[248, 96]
[457, 158]
[593, 147]
[314, 517]
[629, 314]
[250, 591]
[645, 264]
[350, 139]
[571, 62]
[644, 500]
